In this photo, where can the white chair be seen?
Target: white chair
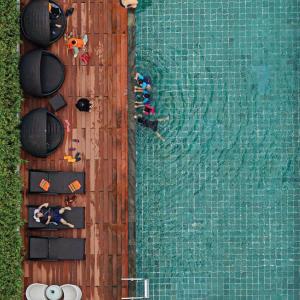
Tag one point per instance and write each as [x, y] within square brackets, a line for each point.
[36, 291]
[71, 292]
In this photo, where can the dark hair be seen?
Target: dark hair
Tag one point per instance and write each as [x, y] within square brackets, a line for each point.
[140, 81]
[147, 79]
[83, 104]
[146, 95]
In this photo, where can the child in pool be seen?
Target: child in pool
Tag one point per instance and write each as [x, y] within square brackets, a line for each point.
[143, 83]
[146, 99]
[148, 109]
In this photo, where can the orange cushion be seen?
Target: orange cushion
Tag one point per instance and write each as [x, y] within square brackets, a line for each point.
[74, 186]
[45, 185]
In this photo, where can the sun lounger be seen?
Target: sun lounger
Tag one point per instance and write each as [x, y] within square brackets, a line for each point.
[48, 248]
[59, 182]
[76, 216]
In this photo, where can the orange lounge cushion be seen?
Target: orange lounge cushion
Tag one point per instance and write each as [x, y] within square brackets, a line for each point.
[45, 185]
[74, 186]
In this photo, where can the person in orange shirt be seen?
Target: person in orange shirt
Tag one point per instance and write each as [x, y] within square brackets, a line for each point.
[74, 42]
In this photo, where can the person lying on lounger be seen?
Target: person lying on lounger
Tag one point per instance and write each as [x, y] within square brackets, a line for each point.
[46, 215]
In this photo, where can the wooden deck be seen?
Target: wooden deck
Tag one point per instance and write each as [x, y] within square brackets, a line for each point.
[103, 145]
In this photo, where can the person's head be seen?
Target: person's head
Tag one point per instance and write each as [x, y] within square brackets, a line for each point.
[146, 95]
[140, 81]
[37, 215]
[148, 87]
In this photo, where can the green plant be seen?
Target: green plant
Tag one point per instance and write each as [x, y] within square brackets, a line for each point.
[10, 181]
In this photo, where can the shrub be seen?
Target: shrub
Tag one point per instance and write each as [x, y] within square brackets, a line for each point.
[10, 181]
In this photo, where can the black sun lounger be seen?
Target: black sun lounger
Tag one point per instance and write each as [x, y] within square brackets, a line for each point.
[59, 182]
[76, 216]
[48, 248]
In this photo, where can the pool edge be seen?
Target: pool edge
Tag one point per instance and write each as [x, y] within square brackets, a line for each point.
[131, 152]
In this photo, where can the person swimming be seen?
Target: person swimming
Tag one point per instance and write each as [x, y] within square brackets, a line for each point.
[146, 99]
[143, 83]
[148, 109]
[151, 124]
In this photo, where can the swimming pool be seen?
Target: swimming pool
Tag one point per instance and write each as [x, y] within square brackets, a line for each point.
[218, 202]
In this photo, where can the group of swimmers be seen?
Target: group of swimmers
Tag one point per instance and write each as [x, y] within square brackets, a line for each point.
[144, 101]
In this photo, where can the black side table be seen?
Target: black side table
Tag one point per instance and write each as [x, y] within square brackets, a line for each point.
[57, 102]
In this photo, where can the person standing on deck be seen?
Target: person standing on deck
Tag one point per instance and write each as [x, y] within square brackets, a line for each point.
[84, 104]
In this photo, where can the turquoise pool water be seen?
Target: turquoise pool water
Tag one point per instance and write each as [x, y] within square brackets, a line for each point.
[218, 201]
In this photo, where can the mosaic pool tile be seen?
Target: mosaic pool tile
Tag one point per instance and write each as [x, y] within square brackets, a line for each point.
[218, 202]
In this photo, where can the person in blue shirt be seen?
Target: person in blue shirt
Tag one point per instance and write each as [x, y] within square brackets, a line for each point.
[143, 83]
[146, 99]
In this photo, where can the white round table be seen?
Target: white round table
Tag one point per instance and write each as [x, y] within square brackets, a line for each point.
[54, 292]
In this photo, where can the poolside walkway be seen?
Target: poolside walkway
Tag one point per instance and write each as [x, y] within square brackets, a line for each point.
[102, 138]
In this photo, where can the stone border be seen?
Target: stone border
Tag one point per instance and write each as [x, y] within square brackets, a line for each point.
[131, 152]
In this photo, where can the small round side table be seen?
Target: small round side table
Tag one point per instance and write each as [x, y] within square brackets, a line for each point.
[54, 292]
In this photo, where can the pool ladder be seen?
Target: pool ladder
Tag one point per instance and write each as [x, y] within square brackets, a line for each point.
[146, 288]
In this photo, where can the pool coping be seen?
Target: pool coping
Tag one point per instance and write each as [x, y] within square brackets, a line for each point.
[131, 152]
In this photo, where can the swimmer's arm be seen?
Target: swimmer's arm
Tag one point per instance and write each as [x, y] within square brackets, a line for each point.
[138, 76]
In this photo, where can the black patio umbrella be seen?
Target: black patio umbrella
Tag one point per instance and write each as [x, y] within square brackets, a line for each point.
[41, 132]
[43, 24]
[41, 73]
